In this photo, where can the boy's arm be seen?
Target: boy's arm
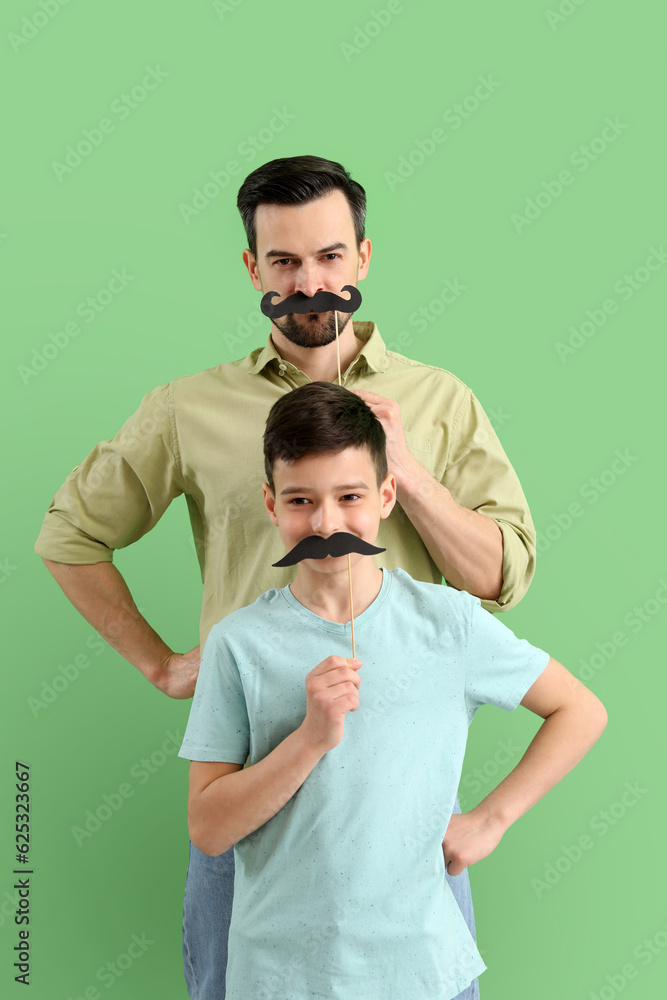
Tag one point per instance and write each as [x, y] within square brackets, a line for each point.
[573, 720]
[227, 802]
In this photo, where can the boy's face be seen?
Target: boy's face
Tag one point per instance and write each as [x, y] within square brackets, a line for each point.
[322, 494]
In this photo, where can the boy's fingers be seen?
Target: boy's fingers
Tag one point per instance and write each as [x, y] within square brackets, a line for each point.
[340, 676]
[455, 868]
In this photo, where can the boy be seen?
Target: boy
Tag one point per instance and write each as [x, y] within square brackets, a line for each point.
[342, 823]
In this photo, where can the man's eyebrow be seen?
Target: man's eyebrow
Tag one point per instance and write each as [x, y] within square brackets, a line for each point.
[307, 489]
[288, 253]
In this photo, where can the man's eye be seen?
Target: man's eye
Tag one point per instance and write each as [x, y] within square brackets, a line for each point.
[351, 496]
[298, 501]
[284, 260]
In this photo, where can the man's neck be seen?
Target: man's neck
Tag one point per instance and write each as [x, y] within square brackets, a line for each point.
[320, 364]
[328, 594]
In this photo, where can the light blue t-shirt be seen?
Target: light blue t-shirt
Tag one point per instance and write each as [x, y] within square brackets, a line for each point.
[342, 894]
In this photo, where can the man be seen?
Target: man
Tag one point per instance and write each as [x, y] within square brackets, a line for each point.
[461, 512]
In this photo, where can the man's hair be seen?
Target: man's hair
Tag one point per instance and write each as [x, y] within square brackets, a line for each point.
[295, 180]
[321, 418]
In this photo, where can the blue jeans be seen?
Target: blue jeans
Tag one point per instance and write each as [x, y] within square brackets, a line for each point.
[207, 911]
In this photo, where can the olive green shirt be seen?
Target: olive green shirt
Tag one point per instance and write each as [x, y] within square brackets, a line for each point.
[201, 436]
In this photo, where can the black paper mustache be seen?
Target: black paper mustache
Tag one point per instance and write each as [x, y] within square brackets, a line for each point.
[320, 302]
[338, 544]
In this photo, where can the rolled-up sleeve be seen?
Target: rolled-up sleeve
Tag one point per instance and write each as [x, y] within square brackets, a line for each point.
[119, 491]
[480, 476]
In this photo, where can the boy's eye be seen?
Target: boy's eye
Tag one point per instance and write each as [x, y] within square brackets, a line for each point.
[351, 496]
[298, 500]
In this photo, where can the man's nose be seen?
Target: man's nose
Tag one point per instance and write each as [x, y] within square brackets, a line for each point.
[308, 280]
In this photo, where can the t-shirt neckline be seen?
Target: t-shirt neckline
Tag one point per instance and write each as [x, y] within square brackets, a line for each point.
[342, 628]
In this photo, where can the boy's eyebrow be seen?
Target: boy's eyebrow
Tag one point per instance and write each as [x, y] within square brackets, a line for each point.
[288, 253]
[307, 489]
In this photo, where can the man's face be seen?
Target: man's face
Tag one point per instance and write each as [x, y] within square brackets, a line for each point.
[308, 248]
[322, 494]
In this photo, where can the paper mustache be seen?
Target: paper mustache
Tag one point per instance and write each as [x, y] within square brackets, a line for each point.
[338, 544]
[320, 302]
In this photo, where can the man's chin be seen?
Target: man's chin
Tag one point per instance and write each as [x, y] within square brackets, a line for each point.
[311, 329]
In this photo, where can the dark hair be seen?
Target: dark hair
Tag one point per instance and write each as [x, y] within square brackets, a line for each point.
[295, 180]
[319, 418]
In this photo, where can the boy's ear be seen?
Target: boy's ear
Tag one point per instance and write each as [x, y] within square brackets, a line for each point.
[270, 503]
[388, 495]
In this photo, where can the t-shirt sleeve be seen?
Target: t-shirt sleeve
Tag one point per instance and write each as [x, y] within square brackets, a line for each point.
[218, 727]
[500, 667]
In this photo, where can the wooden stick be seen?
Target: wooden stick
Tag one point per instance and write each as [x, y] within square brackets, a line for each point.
[349, 564]
[349, 577]
[340, 381]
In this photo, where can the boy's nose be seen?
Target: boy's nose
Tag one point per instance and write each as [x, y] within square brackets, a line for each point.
[325, 520]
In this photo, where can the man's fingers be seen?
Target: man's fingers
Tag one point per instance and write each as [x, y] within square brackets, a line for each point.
[371, 397]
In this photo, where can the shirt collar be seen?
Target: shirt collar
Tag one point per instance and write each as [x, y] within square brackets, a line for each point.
[371, 356]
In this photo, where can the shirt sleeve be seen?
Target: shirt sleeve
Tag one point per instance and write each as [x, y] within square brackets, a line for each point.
[500, 668]
[480, 476]
[119, 491]
[218, 728]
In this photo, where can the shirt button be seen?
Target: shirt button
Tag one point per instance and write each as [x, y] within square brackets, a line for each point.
[282, 368]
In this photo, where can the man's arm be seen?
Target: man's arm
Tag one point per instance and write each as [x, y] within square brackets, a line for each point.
[573, 720]
[226, 802]
[467, 547]
[491, 558]
[100, 594]
[117, 494]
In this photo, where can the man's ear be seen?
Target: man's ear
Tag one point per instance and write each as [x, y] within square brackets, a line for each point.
[365, 250]
[388, 495]
[270, 503]
[251, 264]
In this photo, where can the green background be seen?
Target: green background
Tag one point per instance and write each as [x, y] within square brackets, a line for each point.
[365, 86]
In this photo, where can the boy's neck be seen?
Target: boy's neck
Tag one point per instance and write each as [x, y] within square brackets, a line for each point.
[328, 594]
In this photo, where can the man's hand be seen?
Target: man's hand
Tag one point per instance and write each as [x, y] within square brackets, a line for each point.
[466, 546]
[332, 690]
[178, 674]
[388, 412]
[470, 837]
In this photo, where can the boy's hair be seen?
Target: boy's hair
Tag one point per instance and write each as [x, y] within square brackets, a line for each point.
[295, 180]
[320, 418]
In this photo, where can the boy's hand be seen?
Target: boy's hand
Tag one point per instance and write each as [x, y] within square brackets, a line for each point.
[470, 837]
[332, 690]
